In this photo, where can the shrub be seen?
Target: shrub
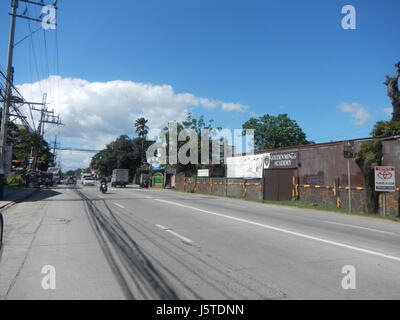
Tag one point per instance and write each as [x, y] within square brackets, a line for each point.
[14, 179]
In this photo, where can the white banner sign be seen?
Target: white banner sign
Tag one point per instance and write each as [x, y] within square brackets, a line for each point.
[203, 173]
[385, 179]
[250, 166]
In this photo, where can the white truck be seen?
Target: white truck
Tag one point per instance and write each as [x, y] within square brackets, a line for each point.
[120, 177]
[57, 174]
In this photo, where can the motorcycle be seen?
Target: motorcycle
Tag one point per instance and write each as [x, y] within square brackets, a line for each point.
[144, 185]
[103, 187]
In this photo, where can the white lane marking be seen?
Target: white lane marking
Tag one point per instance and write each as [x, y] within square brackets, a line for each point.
[118, 205]
[101, 196]
[184, 239]
[358, 227]
[302, 235]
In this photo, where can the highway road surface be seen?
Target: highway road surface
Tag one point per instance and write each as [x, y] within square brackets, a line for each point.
[76, 243]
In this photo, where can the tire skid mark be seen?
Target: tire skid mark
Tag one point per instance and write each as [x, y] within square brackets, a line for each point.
[127, 260]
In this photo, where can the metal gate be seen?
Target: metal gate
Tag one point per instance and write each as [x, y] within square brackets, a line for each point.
[278, 184]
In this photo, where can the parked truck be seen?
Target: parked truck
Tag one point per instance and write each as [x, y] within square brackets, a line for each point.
[120, 177]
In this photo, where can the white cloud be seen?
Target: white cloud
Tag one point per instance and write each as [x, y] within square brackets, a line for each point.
[357, 111]
[95, 113]
[388, 111]
[233, 107]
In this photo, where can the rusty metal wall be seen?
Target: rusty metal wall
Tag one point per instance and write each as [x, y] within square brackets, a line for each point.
[338, 198]
[180, 182]
[190, 185]
[391, 156]
[278, 184]
[219, 187]
[203, 185]
[323, 165]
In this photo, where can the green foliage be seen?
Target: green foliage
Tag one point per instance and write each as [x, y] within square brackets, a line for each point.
[14, 179]
[369, 154]
[25, 142]
[386, 129]
[123, 153]
[275, 132]
[198, 125]
[76, 172]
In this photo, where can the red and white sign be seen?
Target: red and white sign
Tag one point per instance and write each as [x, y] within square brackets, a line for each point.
[385, 179]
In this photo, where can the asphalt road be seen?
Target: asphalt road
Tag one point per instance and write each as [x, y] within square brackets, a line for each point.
[161, 244]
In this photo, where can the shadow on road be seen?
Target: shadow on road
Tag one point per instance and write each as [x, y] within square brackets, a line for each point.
[40, 195]
[129, 264]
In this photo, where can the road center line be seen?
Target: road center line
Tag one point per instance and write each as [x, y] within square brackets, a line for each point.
[118, 205]
[184, 239]
[358, 227]
[302, 235]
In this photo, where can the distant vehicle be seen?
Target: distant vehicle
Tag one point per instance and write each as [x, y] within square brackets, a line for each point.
[71, 180]
[120, 177]
[57, 174]
[88, 181]
[84, 176]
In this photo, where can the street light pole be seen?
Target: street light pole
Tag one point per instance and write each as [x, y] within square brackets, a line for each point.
[7, 93]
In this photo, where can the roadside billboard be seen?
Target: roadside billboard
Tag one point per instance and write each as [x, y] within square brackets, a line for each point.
[250, 166]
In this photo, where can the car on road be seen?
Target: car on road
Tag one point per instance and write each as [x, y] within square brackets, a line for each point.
[84, 176]
[89, 181]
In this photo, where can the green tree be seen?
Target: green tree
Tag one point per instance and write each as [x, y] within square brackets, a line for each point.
[141, 127]
[24, 143]
[272, 132]
[198, 125]
[123, 153]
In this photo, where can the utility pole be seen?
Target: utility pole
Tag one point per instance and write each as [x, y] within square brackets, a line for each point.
[7, 93]
[46, 116]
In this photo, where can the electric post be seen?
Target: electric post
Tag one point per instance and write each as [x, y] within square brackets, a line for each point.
[9, 76]
[7, 93]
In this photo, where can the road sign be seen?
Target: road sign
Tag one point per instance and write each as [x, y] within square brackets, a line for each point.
[385, 179]
[348, 150]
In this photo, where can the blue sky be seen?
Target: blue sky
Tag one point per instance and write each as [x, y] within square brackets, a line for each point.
[270, 56]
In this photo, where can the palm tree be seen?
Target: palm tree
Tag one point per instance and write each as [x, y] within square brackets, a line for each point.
[141, 128]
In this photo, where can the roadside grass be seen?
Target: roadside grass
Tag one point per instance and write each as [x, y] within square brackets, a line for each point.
[321, 207]
[307, 205]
